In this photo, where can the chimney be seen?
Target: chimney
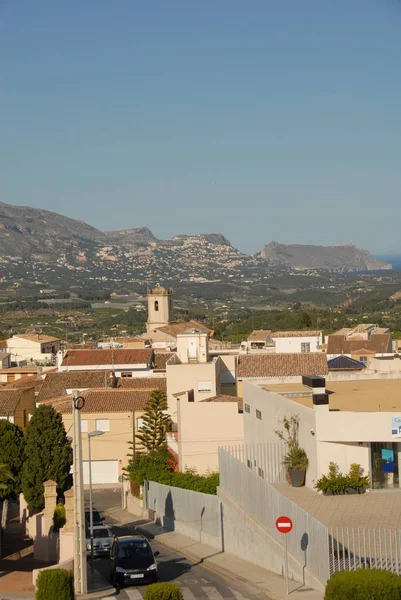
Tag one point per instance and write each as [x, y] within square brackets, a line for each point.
[59, 359]
[319, 395]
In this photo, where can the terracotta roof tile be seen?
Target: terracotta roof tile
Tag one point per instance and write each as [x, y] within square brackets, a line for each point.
[259, 335]
[289, 334]
[27, 383]
[175, 328]
[9, 400]
[282, 365]
[105, 401]
[379, 343]
[37, 337]
[143, 383]
[118, 356]
[161, 359]
[56, 383]
[226, 398]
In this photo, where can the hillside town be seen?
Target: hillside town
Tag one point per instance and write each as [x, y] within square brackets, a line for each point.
[289, 412]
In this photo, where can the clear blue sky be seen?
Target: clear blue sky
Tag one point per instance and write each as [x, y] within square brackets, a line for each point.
[259, 119]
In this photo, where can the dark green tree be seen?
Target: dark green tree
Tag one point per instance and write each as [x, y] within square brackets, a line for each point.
[48, 455]
[12, 445]
[155, 421]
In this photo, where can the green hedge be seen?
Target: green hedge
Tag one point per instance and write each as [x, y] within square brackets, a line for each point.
[363, 584]
[163, 591]
[55, 583]
[157, 467]
[59, 519]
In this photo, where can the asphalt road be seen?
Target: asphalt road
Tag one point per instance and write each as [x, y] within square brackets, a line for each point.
[198, 581]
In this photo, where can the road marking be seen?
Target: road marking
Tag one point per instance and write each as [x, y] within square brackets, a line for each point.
[236, 594]
[133, 594]
[187, 594]
[212, 593]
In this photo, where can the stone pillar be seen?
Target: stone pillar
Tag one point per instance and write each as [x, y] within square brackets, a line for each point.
[50, 498]
[69, 510]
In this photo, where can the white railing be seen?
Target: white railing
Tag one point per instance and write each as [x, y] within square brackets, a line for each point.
[308, 542]
[266, 460]
[359, 548]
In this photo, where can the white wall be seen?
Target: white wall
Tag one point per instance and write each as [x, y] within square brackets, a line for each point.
[344, 454]
[293, 344]
[274, 408]
[181, 378]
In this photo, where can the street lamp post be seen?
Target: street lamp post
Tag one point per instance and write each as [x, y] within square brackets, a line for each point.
[91, 434]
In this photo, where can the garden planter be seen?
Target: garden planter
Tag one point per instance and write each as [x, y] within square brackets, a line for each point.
[350, 490]
[297, 477]
[328, 493]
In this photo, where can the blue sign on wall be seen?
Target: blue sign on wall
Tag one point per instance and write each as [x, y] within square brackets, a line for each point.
[396, 427]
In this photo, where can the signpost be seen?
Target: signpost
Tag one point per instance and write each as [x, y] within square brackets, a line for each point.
[284, 526]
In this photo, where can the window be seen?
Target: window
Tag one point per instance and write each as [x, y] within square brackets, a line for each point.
[156, 305]
[305, 347]
[258, 414]
[247, 408]
[84, 426]
[139, 423]
[363, 359]
[102, 425]
[249, 464]
[126, 373]
[204, 386]
[261, 473]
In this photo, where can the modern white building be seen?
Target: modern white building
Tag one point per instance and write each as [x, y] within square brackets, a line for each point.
[346, 422]
[32, 348]
[297, 341]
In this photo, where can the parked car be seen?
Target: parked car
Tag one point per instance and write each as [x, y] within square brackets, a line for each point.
[102, 540]
[132, 561]
[97, 519]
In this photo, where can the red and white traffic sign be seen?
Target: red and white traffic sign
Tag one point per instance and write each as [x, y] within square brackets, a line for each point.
[284, 524]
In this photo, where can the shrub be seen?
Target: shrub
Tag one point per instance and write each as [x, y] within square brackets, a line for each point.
[55, 583]
[337, 482]
[163, 591]
[59, 519]
[363, 584]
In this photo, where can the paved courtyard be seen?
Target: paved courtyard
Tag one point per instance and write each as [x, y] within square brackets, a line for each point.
[372, 509]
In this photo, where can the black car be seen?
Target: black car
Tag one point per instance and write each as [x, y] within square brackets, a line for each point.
[132, 561]
[97, 519]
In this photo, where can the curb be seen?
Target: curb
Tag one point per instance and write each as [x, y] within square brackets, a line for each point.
[111, 591]
[200, 561]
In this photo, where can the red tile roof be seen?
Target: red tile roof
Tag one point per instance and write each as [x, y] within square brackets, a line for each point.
[9, 400]
[143, 383]
[161, 359]
[226, 398]
[55, 384]
[379, 343]
[175, 328]
[118, 356]
[105, 401]
[259, 335]
[282, 365]
[290, 334]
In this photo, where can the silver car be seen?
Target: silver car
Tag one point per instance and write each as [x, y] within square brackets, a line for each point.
[102, 541]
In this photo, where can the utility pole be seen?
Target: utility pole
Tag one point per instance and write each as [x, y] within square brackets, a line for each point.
[80, 575]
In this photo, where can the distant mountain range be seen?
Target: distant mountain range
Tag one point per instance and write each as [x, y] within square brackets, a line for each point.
[34, 242]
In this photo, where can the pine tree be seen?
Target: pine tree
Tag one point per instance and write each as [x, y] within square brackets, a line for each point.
[48, 455]
[12, 445]
[155, 420]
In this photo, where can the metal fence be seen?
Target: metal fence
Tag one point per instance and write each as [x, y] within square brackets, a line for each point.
[309, 539]
[266, 460]
[356, 548]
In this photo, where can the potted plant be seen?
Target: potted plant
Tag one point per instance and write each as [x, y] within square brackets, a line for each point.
[296, 460]
[296, 463]
[333, 483]
[356, 481]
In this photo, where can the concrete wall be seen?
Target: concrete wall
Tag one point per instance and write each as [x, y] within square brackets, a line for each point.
[187, 377]
[246, 538]
[274, 408]
[344, 454]
[228, 374]
[202, 428]
[66, 546]
[348, 426]
[196, 515]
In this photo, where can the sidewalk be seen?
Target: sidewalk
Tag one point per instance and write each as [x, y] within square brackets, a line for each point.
[228, 564]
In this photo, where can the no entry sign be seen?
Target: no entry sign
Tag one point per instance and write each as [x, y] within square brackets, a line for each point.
[284, 524]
